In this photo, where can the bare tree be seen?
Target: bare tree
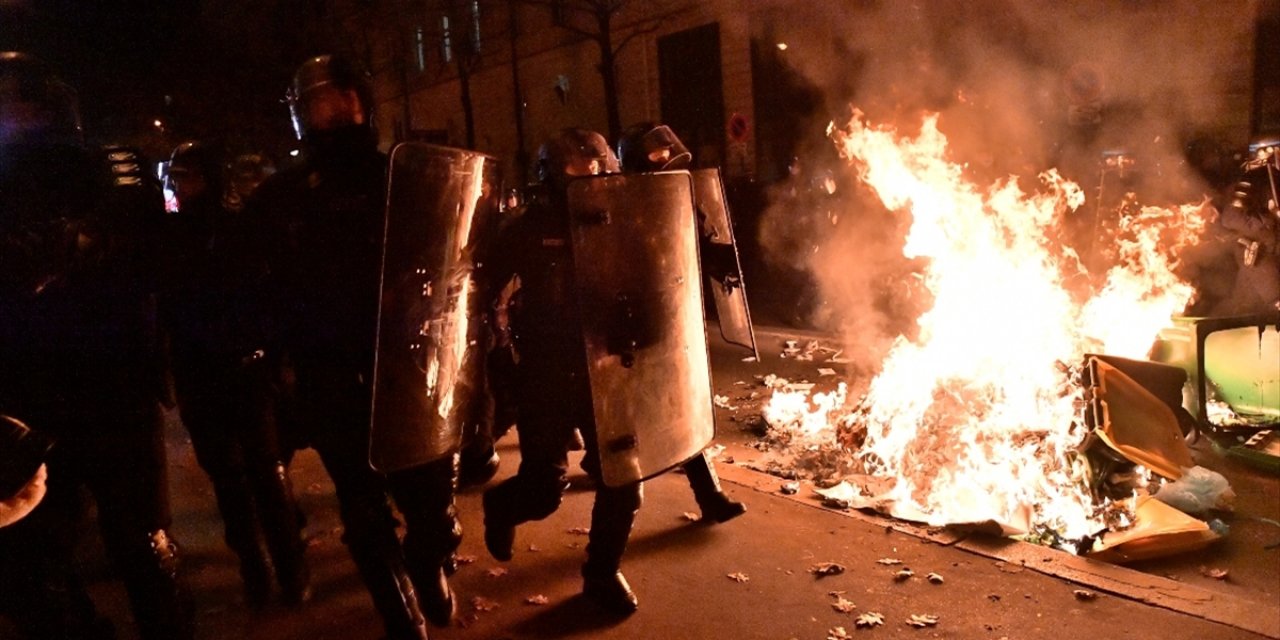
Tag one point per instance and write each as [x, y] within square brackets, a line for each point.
[597, 21]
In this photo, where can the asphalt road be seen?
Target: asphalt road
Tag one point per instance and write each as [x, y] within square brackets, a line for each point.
[751, 577]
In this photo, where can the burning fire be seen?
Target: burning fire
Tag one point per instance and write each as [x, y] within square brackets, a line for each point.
[977, 418]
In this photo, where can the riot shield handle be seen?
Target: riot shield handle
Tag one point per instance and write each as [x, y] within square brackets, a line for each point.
[624, 342]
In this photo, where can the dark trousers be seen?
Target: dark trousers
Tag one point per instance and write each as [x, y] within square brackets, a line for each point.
[555, 398]
[333, 410]
[228, 409]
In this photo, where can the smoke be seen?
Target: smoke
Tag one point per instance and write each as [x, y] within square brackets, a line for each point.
[1022, 86]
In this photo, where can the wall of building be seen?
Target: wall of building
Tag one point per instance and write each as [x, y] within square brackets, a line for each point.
[1130, 47]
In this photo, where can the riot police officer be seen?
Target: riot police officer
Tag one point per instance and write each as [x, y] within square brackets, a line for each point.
[1253, 215]
[246, 173]
[213, 305]
[646, 147]
[553, 393]
[327, 216]
[81, 364]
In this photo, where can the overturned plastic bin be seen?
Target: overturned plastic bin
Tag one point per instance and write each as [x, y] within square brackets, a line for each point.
[1235, 360]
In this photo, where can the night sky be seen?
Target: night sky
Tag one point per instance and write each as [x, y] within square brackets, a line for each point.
[203, 68]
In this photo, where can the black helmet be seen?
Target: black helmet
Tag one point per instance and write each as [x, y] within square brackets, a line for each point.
[317, 91]
[246, 172]
[35, 106]
[650, 146]
[574, 152]
[1264, 150]
[197, 160]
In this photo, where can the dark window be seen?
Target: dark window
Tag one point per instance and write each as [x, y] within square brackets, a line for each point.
[420, 49]
[475, 26]
[446, 39]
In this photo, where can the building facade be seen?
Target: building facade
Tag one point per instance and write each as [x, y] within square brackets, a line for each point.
[749, 86]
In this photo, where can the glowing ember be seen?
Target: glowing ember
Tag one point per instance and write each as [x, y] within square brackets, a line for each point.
[976, 418]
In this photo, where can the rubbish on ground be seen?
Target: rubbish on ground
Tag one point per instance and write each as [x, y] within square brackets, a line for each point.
[790, 488]
[738, 577]
[1216, 574]
[823, 371]
[922, 620]
[869, 619]
[1158, 530]
[496, 572]
[537, 600]
[1198, 491]
[843, 606]
[1086, 596]
[823, 569]
[838, 633]
[691, 516]
[888, 561]
[935, 578]
[579, 531]
[481, 603]
[723, 402]
[903, 574]
[464, 559]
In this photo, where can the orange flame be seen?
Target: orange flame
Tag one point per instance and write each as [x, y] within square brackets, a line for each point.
[976, 419]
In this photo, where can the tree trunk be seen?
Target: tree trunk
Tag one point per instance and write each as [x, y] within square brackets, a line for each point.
[608, 72]
[464, 80]
[522, 153]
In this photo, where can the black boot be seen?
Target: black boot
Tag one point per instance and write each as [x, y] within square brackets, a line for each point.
[478, 466]
[394, 597]
[424, 495]
[277, 510]
[715, 505]
[612, 516]
[240, 531]
[499, 536]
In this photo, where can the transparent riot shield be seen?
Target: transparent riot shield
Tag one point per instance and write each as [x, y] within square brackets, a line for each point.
[428, 383]
[720, 263]
[635, 257]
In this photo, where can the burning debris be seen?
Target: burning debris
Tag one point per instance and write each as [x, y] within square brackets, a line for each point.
[994, 412]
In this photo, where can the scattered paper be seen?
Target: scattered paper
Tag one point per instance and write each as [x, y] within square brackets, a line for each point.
[738, 577]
